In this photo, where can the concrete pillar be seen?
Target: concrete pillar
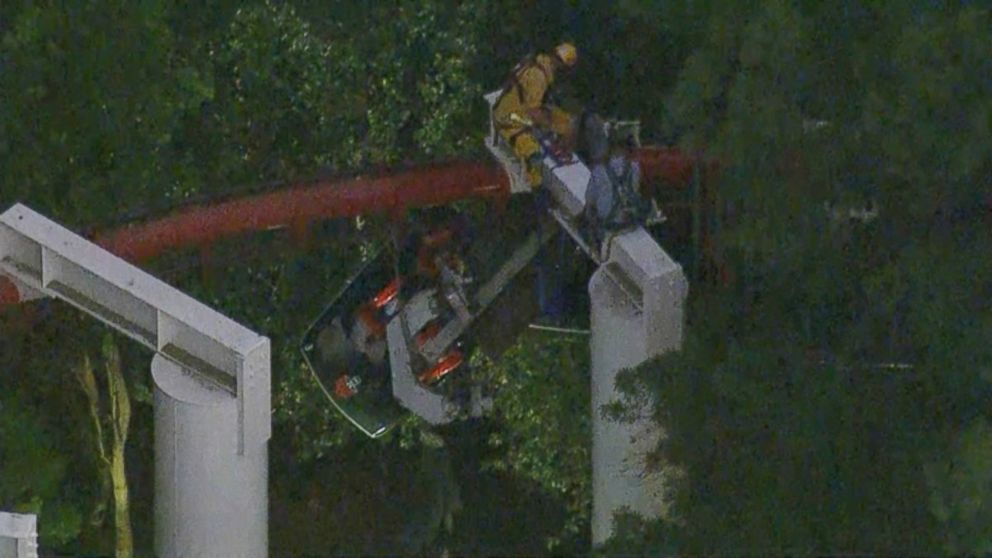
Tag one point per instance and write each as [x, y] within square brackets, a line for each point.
[627, 331]
[209, 501]
[18, 535]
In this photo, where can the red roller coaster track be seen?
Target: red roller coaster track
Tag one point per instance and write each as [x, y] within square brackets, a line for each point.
[295, 207]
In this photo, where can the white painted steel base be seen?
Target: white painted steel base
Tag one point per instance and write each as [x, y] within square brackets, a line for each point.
[209, 501]
[18, 535]
[625, 335]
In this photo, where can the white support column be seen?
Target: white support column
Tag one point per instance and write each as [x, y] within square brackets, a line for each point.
[637, 314]
[213, 413]
[210, 500]
[18, 535]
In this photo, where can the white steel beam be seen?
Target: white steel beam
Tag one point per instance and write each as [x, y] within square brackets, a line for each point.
[212, 385]
[18, 535]
[44, 257]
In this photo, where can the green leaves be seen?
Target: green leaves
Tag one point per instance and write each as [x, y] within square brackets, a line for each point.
[543, 402]
[285, 105]
[781, 407]
[421, 102]
[98, 86]
[960, 484]
[935, 99]
[34, 473]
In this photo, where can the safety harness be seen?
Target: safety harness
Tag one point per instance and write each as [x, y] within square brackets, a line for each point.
[627, 207]
[512, 82]
[513, 79]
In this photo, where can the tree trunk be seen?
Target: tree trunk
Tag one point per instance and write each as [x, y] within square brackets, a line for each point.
[87, 382]
[120, 410]
[120, 418]
[122, 510]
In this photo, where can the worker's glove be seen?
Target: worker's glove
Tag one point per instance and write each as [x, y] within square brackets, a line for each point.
[540, 116]
[517, 119]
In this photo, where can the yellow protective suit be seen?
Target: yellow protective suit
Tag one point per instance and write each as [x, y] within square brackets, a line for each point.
[526, 94]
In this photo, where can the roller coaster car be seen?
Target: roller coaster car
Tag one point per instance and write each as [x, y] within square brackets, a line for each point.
[345, 349]
[390, 342]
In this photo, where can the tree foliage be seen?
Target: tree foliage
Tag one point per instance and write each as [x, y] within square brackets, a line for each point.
[821, 398]
[35, 474]
[792, 436]
[90, 105]
[542, 386]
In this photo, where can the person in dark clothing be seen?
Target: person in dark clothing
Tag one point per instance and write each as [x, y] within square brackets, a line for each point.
[421, 249]
[613, 200]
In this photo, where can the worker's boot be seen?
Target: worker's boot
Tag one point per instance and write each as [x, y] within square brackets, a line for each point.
[535, 176]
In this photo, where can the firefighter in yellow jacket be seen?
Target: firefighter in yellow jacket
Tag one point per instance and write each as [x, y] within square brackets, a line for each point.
[523, 105]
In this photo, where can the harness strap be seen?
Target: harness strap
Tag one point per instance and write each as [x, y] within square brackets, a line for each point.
[529, 63]
[617, 194]
[623, 192]
[513, 80]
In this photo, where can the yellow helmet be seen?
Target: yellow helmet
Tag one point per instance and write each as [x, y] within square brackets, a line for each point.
[567, 54]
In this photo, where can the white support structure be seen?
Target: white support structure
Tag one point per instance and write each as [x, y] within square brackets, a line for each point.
[430, 405]
[637, 297]
[223, 358]
[627, 331]
[47, 258]
[567, 184]
[18, 535]
[209, 499]
[637, 293]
